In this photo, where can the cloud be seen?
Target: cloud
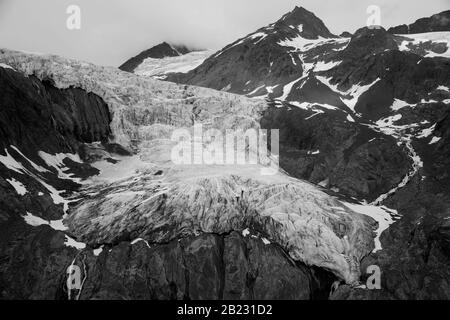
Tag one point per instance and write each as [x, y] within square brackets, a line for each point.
[114, 30]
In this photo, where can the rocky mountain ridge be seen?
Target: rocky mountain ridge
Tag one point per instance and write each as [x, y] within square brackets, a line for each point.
[437, 22]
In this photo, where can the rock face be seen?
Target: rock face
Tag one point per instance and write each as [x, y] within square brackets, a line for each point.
[159, 51]
[437, 22]
[339, 155]
[368, 41]
[37, 116]
[206, 267]
[440, 164]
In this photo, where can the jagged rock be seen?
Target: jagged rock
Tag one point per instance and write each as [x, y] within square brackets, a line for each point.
[33, 262]
[367, 41]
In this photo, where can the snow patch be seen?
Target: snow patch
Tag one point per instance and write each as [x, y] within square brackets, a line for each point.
[427, 132]
[18, 186]
[325, 66]
[435, 140]
[383, 215]
[159, 68]
[35, 221]
[356, 91]
[399, 104]
[97, 251]
[35, 166]
[444, 88]
[70, 242]
[436, 37]
[12, 164]
[56, 161]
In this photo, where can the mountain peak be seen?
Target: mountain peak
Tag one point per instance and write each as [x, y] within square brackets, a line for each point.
[159, 51]
[308, 24]
[300, 9]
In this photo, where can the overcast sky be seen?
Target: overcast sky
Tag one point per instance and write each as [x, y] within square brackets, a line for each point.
[114, 30]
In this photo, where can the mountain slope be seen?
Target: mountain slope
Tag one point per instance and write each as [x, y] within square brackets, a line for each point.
[159, 51]
[256, 63]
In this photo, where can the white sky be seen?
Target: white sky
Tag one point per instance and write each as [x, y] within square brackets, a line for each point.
[114, 30]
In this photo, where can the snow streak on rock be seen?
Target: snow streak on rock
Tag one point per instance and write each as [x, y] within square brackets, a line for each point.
[404, 137]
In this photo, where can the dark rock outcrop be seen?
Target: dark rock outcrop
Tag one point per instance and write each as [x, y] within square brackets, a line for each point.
[35, 115]
[205, 267]
[367, 41]
[340, 155]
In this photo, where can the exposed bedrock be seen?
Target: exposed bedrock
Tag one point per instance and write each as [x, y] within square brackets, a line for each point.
[209, 266]
[345, 156]
[35, 115]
